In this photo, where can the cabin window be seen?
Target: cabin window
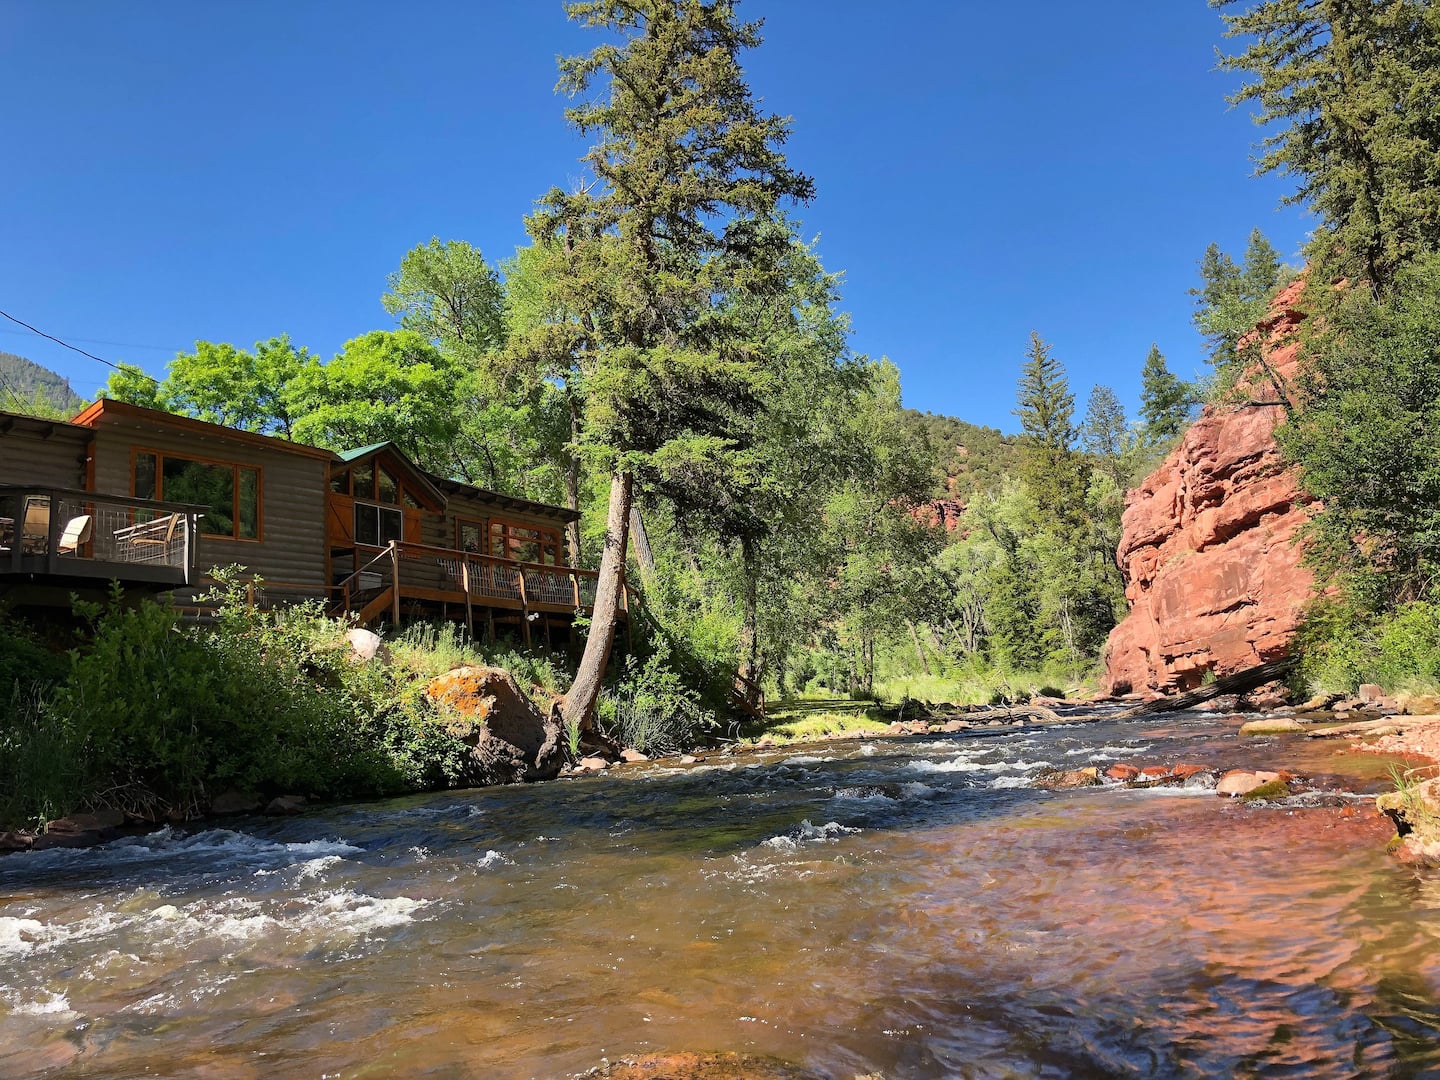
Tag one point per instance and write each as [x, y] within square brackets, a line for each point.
[525, 543]
[389, 486]
[340, 482]
[230, 493]
[410, 502]
[376, 525]
[470, 536]
[365, 480]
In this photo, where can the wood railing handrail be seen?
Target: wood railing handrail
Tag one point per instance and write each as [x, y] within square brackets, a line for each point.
[102, 496]
[431, 551]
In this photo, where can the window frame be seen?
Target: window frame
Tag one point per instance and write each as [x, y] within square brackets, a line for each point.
[235, 487]
[378, 508]
[547, 539]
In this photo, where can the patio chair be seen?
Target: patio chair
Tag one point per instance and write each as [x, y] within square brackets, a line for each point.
[35, 529]
[77, 532]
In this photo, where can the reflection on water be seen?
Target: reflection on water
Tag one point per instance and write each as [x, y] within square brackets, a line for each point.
[902, 909]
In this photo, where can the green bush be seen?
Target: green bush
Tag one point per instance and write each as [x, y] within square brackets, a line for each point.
[1399, 651]
[653, 708]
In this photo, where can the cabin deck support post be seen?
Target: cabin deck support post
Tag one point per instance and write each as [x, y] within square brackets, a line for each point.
[469, 605]
[524, 609]
[394, 584]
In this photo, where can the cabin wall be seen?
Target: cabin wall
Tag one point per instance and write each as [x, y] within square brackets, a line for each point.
[442, 532]
[28, 455]
[291, 548]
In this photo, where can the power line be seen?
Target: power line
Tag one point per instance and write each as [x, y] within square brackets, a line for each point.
[101, 341]
[73, 348]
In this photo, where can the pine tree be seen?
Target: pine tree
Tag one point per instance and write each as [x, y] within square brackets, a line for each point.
[1351, 89]
[1232, 298]
[688, 176]
[1165, 401]
[1105, 434]
[1052, 472]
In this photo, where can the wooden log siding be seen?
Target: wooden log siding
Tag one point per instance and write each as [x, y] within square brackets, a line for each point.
[42, 452]
[291, 547]
[443, 532]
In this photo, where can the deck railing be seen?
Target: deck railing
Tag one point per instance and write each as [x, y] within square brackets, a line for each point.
[69, 533]
[424, 572]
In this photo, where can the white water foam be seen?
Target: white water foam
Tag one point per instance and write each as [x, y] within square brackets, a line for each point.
[493, 858]
[57, 1004]
[806, 833]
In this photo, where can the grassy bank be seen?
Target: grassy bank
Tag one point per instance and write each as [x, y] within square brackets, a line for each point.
[156, 718]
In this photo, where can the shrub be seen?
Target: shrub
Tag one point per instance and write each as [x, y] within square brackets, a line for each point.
[654, 709]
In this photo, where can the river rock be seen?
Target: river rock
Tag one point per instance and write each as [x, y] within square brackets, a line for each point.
[689, 1066]
[1214, 579]
[1063, 779]
[510, 739]
[366, 645]
[1184, 772]
[1415, 805]
[1154, 772]
[1237, 782]
[1122, 772]
[631, 756]
[1273, 725]
[228, 803]
[16, 841]
[285, 805]
[591, 765]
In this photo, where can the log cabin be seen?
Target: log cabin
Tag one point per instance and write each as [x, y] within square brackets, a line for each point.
[154, 501]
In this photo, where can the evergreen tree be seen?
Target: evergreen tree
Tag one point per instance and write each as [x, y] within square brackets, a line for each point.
[1051, 470]
[1351, 89]
[1105, 434]
[1232, 298]
[1165, 401]
[687, 179]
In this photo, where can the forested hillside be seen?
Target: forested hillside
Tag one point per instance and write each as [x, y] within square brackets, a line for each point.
[24, 382]
[972, 459]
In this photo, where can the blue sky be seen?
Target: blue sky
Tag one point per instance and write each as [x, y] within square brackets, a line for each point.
[180, 171]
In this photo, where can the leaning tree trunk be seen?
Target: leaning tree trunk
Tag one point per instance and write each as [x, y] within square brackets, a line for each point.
[579, 704]
[572, 486]
[750, 622]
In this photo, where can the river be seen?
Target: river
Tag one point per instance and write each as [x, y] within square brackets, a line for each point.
[890, 908]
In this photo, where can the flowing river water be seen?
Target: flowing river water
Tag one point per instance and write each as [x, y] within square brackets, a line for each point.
[888, 908]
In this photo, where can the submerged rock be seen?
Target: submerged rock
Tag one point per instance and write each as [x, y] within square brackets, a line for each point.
[1274, 725]
[690, 1066]
[510, 739]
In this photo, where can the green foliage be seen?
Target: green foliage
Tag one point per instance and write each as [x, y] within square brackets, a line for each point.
[1231, 300]
[1052, 471]
[1399, 651]
[1351, 91]
[1106, 435]
[972, 459]
[1166, 403]
[449, 295]
[655, 709]
[1368, 441]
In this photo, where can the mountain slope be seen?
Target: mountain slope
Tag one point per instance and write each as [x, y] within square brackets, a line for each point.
[21, 380]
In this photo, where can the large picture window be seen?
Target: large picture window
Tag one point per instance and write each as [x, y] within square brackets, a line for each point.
[230, 493]
[377, 525]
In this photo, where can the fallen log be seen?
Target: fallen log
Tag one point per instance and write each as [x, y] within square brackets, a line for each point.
[1238, 683]
[1388, 725]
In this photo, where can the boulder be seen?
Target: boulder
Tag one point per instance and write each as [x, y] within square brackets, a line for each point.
[366, 645]
[235, 802]
[1270, 789]
[1238, 782]
[1275, 725]
[1122, 772]
[1213, 579]
[1419, 704]
[1370, 693]
[285, 805]
[510, 739]
[1063, 779]
[1184, 772]
[81, 830]
[16, 841]
[591, 765]
[1154, 772]
[631, 756]
[1414, 807]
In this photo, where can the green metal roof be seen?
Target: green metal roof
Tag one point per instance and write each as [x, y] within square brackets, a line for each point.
[362, 451]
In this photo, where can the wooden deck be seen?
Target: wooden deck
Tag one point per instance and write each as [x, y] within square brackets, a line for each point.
[65, 537]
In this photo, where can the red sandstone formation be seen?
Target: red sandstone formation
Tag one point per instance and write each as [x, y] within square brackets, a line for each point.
[1211, 569]
[943, 512]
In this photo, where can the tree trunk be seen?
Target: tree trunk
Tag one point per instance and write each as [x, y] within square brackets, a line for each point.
[919, 649]
[572, 486]
[750, 622]
[579, 704]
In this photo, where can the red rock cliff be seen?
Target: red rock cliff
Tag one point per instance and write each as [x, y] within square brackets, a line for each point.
[1207, 550]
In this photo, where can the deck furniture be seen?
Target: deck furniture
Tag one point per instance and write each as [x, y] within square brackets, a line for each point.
[77, 533]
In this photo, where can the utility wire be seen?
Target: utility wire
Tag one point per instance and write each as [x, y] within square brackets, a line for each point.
[102, 341]
[73, 348]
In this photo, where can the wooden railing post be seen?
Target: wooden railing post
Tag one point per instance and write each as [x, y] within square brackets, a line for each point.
[575, 586]
[469, 606]
[394, 584]
[524, 608]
